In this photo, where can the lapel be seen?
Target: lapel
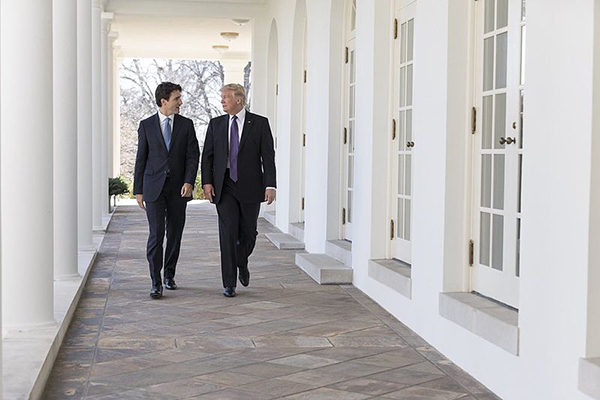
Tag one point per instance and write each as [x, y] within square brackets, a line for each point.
[159, 134]
[247, 129]
[176, 123]
[224, 132]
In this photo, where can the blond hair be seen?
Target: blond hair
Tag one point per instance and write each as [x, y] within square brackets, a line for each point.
[238, 91]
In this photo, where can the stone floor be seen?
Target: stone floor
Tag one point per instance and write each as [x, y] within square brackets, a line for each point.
[282, 337]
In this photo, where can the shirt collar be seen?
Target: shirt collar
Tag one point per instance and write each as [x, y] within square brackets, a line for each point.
[162, 117]
[241, 115]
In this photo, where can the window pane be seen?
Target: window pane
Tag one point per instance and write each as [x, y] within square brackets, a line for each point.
[401, 174]
[490, 6]
[409, 85]
[500, 120]
[486, 139]
[523, 52]
[499, 181]
[408, 125]
[501, 59]
[521, 104]
[488, 63]
[484, 239]
[410, 39]
[353, 18]
[402, 86]
[351, 137]
[401, 130]
[400, 227]
[486, 180]
[407, 220]
[350, 207]
[352, 67]
[403, 43]
[497, 242]
[408, 175]
[502, 14]
[350, 171]
[518, 271]
[520, 172]
[351, 105]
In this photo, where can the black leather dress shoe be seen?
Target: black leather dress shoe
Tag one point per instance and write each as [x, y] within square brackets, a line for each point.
[170, 284]
[244, 275]
[229, 292]
[156, 292]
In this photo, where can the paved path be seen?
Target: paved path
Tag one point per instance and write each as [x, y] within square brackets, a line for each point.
[282, 337]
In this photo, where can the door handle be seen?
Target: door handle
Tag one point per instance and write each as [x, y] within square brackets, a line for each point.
[410, 144]
[508, 140]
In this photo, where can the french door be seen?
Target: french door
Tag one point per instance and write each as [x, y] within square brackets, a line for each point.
[498, 148]
[303, 116]
[403, 140]
[349, 128]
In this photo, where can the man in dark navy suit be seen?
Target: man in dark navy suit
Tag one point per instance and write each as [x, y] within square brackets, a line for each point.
[238, 173]
[165, 172]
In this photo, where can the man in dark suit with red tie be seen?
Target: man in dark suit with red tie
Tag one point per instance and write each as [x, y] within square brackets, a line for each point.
[165, 173]
[238, 173]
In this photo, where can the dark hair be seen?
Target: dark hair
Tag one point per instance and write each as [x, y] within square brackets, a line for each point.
[164, 90]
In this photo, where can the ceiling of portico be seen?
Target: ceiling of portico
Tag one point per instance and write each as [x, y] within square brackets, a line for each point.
[180, 38]
[183, 29]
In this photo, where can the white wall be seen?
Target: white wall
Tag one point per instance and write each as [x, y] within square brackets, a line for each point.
[556, 184]
[554, 319]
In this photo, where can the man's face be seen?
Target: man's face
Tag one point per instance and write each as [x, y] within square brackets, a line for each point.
[231, 104]
[172, 106]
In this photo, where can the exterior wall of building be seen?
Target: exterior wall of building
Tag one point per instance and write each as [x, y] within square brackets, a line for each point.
[557, 248]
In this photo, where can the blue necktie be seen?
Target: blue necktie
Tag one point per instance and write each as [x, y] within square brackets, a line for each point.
[234, 140]
[167, 133]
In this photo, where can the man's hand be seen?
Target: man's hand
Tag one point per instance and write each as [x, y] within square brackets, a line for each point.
[186, 190]
[270, 195]
[140, 201]
[209, 191]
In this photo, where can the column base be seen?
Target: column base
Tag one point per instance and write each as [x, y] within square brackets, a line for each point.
[8, 330]
[70, 277]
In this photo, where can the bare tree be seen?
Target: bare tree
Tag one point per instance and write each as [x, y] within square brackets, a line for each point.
[200, 81]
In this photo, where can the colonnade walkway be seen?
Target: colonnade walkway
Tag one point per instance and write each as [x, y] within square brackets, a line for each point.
[284, 336]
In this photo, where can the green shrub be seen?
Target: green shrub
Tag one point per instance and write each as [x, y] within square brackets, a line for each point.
[117, 186]
[198, 192]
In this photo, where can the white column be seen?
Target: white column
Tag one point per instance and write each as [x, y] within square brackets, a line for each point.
[117, 58]
[26, 148]
[112, 36]
[106, 19]
[65, 138]
[1, 356]
[96, 116]
[234, 70]
[84, 125]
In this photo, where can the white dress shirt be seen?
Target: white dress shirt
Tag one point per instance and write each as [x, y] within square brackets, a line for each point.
[162, 122]
[241, 117]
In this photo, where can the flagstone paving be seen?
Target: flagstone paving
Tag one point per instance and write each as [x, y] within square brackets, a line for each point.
[282, 337]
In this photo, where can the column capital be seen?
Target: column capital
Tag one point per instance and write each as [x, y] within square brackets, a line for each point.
[106, 18]
[118, 52]
[112, 36]
[99, 4]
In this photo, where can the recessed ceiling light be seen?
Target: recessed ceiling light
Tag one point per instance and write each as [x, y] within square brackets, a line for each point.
[220, 48]
[240, 21]
[229, 36]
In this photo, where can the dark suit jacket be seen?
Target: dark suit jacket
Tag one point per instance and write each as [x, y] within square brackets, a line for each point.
[256, 157]
[153, 161]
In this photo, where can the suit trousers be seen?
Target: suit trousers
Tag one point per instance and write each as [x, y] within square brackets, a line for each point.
[237, 231]
[166, 213]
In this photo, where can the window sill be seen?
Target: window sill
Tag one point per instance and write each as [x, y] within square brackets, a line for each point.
[485, 318]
